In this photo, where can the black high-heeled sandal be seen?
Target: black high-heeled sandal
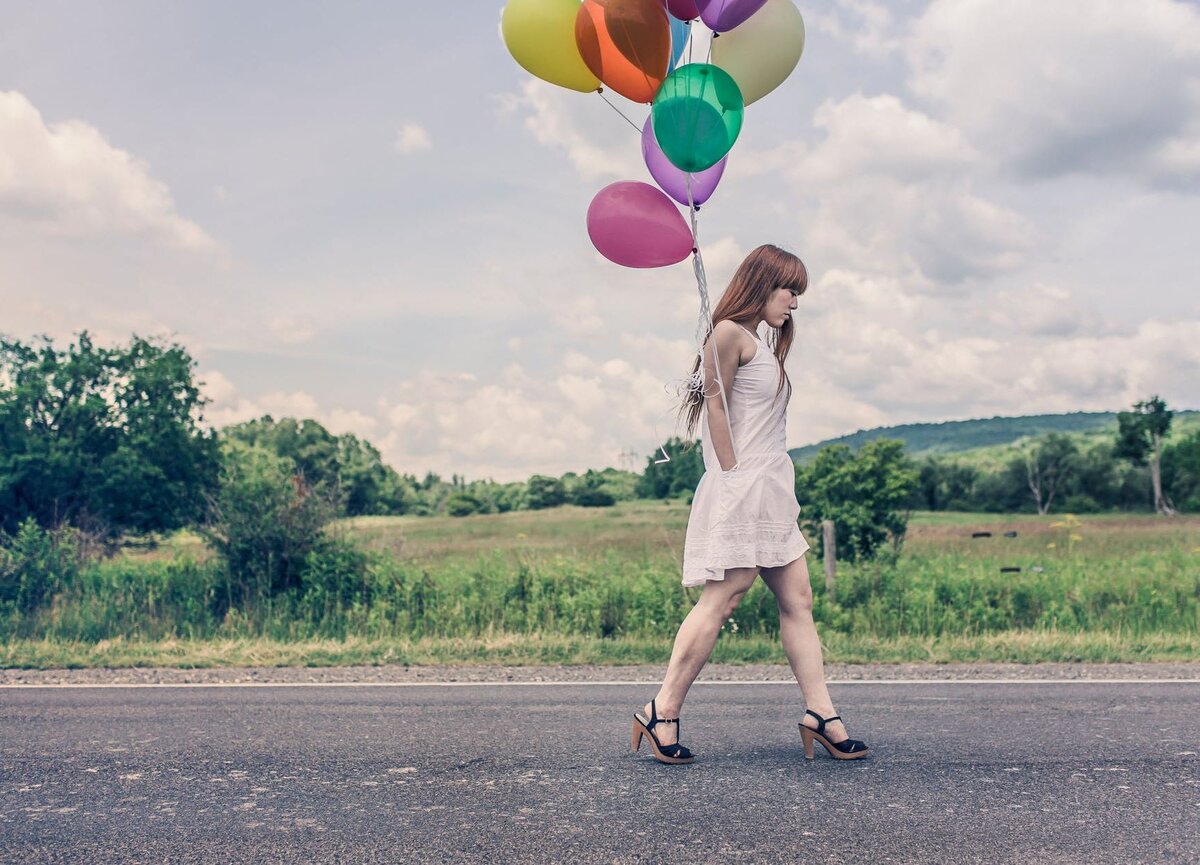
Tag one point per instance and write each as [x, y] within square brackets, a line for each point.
[644, 728]
[850, 749]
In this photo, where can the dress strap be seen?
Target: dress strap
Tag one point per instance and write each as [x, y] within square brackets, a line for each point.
[748, 330]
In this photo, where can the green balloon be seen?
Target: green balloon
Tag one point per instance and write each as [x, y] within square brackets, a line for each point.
[697, 115]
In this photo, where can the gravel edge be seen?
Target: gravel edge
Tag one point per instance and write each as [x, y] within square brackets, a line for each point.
[384, 674]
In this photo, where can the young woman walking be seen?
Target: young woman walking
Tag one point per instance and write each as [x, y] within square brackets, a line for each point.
[743, 517]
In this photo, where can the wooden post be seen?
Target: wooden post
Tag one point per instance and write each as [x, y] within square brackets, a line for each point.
[829, 542]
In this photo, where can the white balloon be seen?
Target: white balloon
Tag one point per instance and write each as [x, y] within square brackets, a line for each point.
[762, 52]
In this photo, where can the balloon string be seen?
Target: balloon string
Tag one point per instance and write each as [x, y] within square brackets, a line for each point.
[704, 325]
[636, 128]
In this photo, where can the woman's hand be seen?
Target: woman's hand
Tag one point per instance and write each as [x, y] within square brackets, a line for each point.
[723, 345]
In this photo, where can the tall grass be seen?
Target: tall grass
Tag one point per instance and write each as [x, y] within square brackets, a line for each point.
[580, 584]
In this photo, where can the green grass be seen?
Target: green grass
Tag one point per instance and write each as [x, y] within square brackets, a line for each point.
[578, 585]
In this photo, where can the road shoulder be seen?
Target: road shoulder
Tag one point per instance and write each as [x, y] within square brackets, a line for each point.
[400, 674]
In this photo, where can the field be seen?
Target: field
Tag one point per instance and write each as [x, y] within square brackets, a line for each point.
[575, 585]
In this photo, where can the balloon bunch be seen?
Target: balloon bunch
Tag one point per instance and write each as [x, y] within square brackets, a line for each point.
[634, 47]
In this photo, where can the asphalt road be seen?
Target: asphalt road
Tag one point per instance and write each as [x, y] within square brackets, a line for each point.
[981, 773]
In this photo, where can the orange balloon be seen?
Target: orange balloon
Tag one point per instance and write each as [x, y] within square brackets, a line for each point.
[626, 44]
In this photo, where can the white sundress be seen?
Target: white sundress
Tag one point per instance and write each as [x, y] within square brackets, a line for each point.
[746, 517]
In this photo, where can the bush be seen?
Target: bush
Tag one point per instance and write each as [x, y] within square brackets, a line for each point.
[335, 577]
[463, 504]
[594, 498]
[545, 492]
[1079, 503]
[863, 493]
[35, 564]
[264, 521]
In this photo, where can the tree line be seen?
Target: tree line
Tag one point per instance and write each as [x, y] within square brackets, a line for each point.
[103, 446]
[112, 440]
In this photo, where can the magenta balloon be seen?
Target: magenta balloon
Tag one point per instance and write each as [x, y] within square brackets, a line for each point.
[634, 224]
[684, 10]
[674, 180]
[724, 15]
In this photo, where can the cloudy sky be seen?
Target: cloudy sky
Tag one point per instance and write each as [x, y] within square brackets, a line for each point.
[368, 214]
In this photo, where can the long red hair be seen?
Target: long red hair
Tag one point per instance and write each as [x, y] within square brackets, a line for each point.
[760, 273]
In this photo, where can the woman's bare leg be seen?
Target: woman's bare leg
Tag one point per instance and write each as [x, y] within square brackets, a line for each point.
[793, 591]
[694, 643]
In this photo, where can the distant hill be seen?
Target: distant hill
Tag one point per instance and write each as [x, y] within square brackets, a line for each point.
[964, 435]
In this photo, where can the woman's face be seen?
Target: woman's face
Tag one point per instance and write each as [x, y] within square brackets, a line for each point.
[780, 305]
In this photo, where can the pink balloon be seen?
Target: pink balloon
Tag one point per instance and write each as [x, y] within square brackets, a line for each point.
[684, 10]
[636, 225]
[724, 15]
[674, 181]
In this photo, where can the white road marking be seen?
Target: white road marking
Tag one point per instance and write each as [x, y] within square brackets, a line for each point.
[613, 683]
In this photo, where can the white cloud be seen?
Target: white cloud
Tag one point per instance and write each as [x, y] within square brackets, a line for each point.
[228, 406]
[412, 138]
[599, 144]
[64, 179]
[887, 355]
[1070, 86]
[868, 27]
[894, 193]
[580, 415]
[1040, 310]
[292, 330]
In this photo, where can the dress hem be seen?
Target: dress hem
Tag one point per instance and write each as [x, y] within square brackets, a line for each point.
[698, 576]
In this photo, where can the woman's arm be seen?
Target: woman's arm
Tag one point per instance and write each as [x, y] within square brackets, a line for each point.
[727, 339]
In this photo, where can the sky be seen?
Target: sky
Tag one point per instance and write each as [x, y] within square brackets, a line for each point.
[368, 214]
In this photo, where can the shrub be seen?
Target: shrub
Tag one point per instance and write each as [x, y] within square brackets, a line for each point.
[546, 492]
[264, 521]
[35, 564]
[864, 493]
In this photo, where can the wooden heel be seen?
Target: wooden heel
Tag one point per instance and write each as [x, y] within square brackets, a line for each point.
[643, 728]
[848, 749]
[807, 737]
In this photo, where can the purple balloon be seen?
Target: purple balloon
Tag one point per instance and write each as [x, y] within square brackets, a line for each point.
[724, 15]
[674, 181]
[634, 224]
[684, 10]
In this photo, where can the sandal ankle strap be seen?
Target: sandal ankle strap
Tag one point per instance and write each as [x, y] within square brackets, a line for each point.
[821, 722]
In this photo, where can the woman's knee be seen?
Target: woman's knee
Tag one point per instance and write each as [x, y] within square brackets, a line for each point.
[800, 598]
[792, 587]
[723, 598]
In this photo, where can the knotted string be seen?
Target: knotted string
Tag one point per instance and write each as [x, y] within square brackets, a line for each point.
[694, 383]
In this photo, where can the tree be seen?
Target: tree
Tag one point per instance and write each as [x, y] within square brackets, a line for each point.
[591, 491]
[106, 439]
[674, 476]
[344, 467]
[1140, 434]
[545, 492]
[864, 493]
[1049, 463]
[311, 448]
[945, 485]
[1181, 472]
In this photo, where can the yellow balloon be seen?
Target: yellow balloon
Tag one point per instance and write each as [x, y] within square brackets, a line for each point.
[540, 35]
[762, 52]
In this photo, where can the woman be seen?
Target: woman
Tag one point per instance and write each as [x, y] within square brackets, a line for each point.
[743, 516]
